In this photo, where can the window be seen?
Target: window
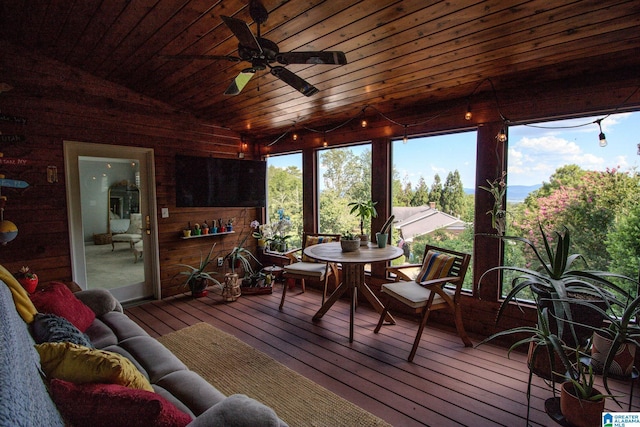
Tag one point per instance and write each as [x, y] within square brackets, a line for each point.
[284, 195]
[344, 176]
[433, 194]
[559, 174]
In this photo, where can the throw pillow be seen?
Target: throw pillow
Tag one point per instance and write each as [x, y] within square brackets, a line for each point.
[112, 405]
[314, 240]
[24, 306]
[238, 410]
[78, 364]
[53, 328]
[58, 299]
[435, 266]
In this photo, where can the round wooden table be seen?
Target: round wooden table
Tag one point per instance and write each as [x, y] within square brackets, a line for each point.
[353, 277]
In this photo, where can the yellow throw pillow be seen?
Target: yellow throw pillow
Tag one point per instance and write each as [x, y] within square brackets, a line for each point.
[78, 364]
[21, 299]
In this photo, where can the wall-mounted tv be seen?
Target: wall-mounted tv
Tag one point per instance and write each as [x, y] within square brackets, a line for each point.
[216, 182]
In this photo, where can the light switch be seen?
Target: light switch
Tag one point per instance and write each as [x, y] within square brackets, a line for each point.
[165, 212]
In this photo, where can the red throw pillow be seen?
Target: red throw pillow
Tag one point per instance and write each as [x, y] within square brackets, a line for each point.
[59, 300]
[113, 405]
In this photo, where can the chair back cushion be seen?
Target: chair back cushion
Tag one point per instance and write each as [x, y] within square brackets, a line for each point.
[435, 266]
[315, 240]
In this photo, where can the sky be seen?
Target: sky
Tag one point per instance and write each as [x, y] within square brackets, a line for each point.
[534, 153]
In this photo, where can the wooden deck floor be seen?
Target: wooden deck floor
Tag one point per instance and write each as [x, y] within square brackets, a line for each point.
[447, 385]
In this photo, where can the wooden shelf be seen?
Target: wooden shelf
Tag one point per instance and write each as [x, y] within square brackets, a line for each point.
[207, 235]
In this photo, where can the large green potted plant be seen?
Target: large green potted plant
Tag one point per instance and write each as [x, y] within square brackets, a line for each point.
[197, 277]
[558, 283]
[365, 209]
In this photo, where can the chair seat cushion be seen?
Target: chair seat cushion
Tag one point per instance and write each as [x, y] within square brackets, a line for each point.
[306, 268]
[126, 237]
[410, 293]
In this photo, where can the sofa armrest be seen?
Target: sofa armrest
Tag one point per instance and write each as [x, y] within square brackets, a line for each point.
[238, 410]
[100, 301]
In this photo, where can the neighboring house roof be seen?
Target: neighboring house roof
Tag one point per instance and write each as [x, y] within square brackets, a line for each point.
[416, 221]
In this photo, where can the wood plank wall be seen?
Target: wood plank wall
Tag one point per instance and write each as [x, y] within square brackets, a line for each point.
[61, 103]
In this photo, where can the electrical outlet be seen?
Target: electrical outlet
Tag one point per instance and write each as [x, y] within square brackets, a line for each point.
[220, 261]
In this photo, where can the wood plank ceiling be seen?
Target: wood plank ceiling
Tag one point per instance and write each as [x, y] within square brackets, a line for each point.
[401, 53]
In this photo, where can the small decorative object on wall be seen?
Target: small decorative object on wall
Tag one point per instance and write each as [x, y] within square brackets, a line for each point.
[27, 278]
[13, 119]
[8, 230]
[12, 138]
[5, 87]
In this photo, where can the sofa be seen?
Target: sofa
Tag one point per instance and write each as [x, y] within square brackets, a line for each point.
[31, 394]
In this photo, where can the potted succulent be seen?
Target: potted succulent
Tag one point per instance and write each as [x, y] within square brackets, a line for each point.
[197, 278]
[238, 257]
[569, 292]
[364, 210]
[27, 278]
[349, 242]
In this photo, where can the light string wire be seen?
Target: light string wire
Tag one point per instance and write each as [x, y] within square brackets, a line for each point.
[505, 120]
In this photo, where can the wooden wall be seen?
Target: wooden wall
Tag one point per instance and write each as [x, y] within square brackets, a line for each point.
[61, 103]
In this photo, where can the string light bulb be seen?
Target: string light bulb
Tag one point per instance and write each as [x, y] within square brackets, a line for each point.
[364, 123]
[324, 140]
[468, 115]
[601, 137]
[502, 135]
[294, 136]
[404, 138]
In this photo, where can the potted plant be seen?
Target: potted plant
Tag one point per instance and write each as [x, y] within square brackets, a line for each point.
[364, 210]
[197, 278]
[570, 293]
[27, 278]
[581, 403]
[259, 234]
[349, 242]
[238, 257]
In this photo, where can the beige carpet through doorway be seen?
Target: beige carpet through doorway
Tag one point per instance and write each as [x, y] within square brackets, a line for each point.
[235, 367]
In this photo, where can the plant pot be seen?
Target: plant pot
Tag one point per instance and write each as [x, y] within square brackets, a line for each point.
[539, 363]
[578, 412]
[364, 239]
[198, 287]
[580, 313]
[622, 365]
[381, 239]
[350, 245]
[231, 290]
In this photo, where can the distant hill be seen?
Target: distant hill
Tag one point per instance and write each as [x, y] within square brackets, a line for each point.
[515, 193]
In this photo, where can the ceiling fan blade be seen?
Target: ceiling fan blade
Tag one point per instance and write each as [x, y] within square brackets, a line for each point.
[242, 32]
[325, 57]
[203, 57]
[294, 81]
[240, 82]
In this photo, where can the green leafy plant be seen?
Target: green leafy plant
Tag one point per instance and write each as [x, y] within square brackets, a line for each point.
[197, 276]
[243, 255]
[497, 188]
[348, 235]
[363, 210]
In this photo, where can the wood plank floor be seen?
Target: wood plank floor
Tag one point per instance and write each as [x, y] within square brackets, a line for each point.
[447, 385]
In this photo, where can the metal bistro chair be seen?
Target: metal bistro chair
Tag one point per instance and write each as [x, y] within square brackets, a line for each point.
[302, 268]
[428, 291]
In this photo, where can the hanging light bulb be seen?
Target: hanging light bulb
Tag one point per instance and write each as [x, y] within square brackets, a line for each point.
[294, 136]
[468, 115]
[404, 138]
[601, 137]
[502, 135]
[324, 140]
[364, 123]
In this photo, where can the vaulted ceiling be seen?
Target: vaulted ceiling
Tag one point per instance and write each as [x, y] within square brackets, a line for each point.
[400, 53]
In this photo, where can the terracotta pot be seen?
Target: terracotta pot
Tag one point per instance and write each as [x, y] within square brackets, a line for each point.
[622, 365]
[577, 412]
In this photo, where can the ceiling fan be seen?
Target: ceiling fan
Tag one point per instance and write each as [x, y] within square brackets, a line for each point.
[263, 53]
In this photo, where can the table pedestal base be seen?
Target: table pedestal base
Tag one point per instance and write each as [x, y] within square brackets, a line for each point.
[353, 279]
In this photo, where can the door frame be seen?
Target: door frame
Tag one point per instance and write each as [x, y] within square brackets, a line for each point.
[72, 151]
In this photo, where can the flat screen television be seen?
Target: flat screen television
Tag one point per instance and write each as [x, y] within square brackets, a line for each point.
[216, 182]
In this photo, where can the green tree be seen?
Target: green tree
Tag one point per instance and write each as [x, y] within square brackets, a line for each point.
[421, 194]
[285, 195]
[452, 194]
[623, 243]
[435, 194]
